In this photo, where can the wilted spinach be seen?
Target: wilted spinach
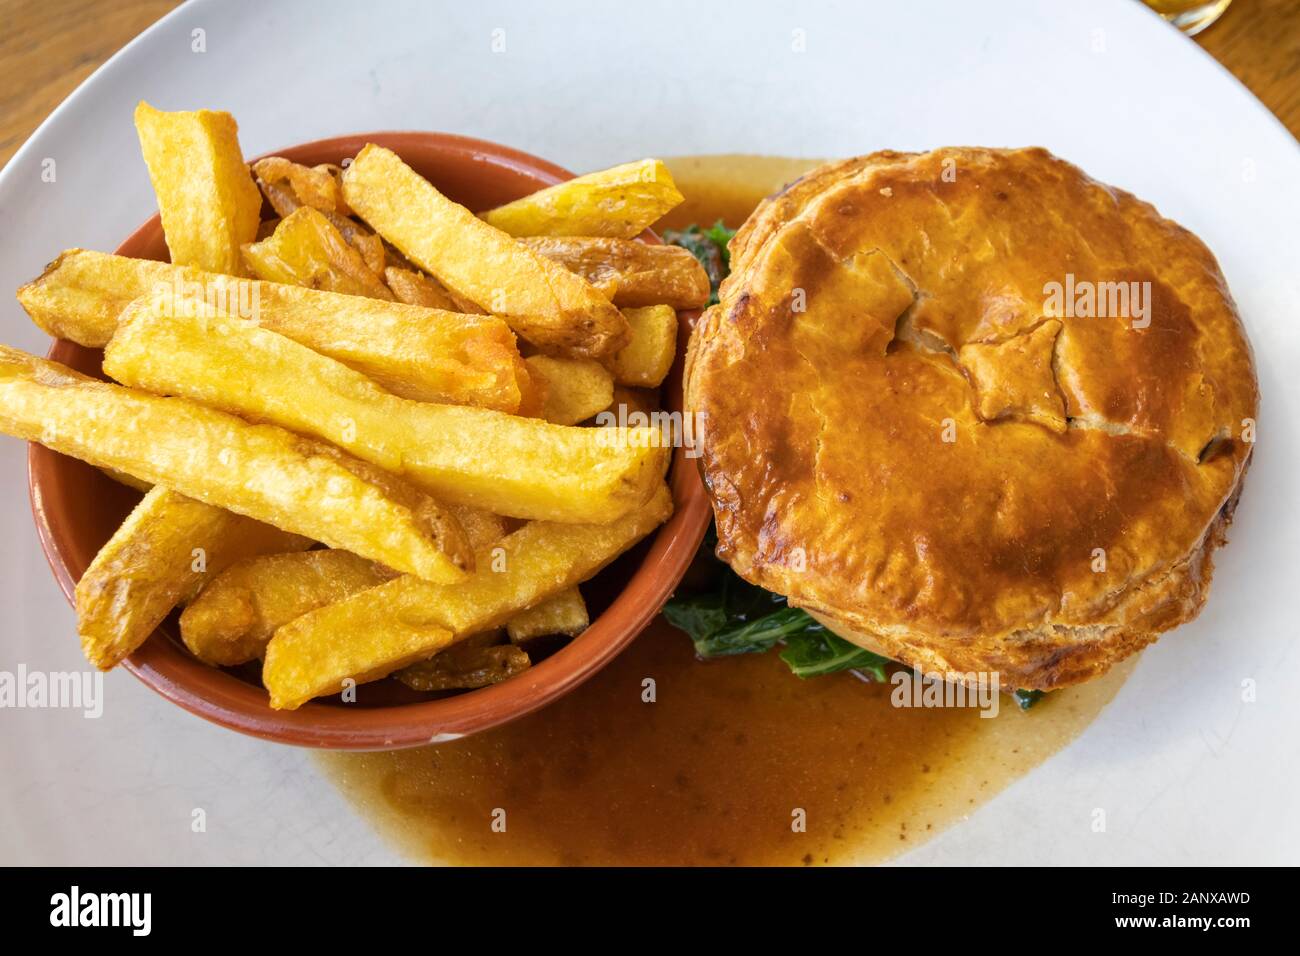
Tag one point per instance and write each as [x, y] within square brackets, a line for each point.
[709, 246]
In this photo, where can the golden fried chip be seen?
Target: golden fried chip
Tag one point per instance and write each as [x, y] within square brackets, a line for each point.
[425, 354]
[209, 203]
[528, 566]
[235, 615]
[297, 668]
[542, 301]
[260, 471]
[161, 555]
[632, 273]
[416, 288]
[563, 613]
[313, 186]
[620, 202]
[307, 250]
[629, 401]
[646, 360]
[576, 389]
[471, 456]
[237, 612]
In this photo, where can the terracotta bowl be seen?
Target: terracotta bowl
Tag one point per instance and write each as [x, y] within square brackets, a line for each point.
[77, 509]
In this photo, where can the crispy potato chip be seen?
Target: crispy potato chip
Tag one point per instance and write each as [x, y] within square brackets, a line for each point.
[528, 566]
[463, 666]
[306, 250]
[542, 301]
[285, 202]
[208, 201]
[633, 273]
[576, 389]
[424, 354]
[481, 528]
[632, 400]
[124, 479]
[232, 618]
[416, 288]
[563, 613]
[646, 360]
[297, 668]
[237, 612]
[260, 471]
[471, 456]
[620, 202]
[314, 186]
[161, 555]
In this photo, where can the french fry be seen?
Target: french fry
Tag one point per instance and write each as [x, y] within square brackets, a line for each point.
[544, 302]
[124, 479]
[209, 203]
[385, 627]
[463, 666]
[646, 360]
[633, 273]
[424, 354]
[643, 400]
[159, 558]
[563, 613]
[232, 618]
[576, 389]
[296, 671]
[620, 202]
[314, 186]
[307, 250]
[235, 615]
[482, 528]
[415, 288]
[285, 202]
[470, 456]
[260, 471]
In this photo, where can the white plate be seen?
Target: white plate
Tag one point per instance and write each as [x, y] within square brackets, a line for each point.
[1186, 770]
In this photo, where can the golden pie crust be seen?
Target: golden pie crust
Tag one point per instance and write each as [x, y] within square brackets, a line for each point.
[908, 430]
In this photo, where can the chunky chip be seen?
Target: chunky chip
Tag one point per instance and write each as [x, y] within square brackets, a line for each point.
[298, 669]
[209, 203]
[563, 613]
[237, 612]
[646, 360]
[260, 471]
[233, 617]
[630, 273]
[576, 389]
[314, 186]
[161, 555]
[471, 456]
[416, 288]
[425, 354]
[307, 250]
[620, 202]
[542, 301]
[528, 566]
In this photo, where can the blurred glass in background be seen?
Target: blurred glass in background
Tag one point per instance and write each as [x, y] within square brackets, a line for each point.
[1190, 16]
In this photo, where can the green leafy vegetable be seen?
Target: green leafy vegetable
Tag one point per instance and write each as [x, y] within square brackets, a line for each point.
[1027, 698]
[733, 616]
[812, 653]
[709, 246]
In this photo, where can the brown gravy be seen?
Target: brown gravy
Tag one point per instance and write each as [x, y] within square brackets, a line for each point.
[729, 757]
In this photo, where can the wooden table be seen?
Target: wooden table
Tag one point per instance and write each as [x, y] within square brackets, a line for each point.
[47, 47]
